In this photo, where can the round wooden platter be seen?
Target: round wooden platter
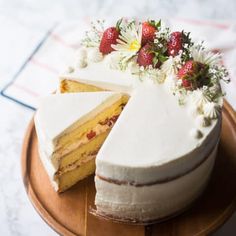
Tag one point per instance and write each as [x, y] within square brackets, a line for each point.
[68, 213]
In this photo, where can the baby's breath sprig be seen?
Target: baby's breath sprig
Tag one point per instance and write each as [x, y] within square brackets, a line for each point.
[93, 36]
[217, 73]
[187, 44]
[159, 46]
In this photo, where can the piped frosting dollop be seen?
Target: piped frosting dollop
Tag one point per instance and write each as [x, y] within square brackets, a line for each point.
[212, 110]
[202, 121]
[198, 98]
[94, 55]
[81, 58]
[196, 133]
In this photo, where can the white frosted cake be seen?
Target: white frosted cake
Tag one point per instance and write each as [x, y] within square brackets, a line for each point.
[149, 102]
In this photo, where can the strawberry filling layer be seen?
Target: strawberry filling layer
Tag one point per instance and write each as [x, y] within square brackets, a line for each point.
[102, 127]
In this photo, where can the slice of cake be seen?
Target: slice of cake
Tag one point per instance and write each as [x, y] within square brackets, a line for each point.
[71, 129]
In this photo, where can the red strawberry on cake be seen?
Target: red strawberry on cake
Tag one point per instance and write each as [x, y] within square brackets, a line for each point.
[193, 74]
[109, 37]
[149, 29]
[145, 56]
[176, 43]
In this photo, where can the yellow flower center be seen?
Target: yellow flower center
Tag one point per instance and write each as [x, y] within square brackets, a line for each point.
[134, 46]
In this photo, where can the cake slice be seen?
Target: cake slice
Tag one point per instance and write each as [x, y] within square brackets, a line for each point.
[71, 129]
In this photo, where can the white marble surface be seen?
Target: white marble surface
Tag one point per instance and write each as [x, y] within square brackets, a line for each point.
[21, 24]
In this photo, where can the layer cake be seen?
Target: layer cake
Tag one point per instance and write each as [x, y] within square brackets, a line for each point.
[146, 102]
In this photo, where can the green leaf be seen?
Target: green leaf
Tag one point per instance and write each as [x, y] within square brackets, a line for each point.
[162, 58]
[156, 24]
[155, 61]
[118, 23]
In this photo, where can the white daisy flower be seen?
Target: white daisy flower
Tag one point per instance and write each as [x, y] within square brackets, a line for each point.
[201, 55]
[129, 41]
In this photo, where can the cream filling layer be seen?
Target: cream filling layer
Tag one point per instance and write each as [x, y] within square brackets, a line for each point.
[75, 165]
[60, 153]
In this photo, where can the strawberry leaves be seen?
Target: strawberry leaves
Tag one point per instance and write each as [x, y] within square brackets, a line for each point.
[155, 24]
[194, 75]
[118, 24]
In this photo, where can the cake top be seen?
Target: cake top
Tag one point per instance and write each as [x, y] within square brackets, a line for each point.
[131, 53]
[155, 132]
[174, 112]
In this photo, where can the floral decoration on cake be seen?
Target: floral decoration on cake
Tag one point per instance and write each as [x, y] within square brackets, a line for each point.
[149, 50]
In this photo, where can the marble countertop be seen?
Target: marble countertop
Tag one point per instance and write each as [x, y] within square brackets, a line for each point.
[18, 19]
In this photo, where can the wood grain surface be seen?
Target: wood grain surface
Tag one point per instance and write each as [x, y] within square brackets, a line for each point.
[68, 213]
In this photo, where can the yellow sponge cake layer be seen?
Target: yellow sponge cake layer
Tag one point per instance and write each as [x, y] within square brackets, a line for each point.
[81, 154]
[70, 178]
[80, 130]
[71, 86]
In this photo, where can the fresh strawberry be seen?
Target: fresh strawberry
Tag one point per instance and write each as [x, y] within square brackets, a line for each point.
[114, 118]
[149, 29]
[145, 57]
[91, 134]
[109, 37]
[148, 55]
[148, 33]
[193, 74]
[186, 83]
[175, 43]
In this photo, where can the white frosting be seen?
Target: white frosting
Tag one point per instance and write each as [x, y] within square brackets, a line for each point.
[170, 66]
[81, 54]
[202, 121]
[193, 111]
[153, 126]
[70, 69]
[80, 60]
[196, 133]
[50, 169]
[133, 67]
[94, 55]
[212, 110]
[80, 63]
[101, 75]
[170, 82]
[198, 98]
[155, 201]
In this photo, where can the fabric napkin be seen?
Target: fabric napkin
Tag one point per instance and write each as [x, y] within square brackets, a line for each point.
[38, 75]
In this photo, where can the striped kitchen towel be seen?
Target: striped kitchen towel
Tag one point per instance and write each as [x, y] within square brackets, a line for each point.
[38, 76]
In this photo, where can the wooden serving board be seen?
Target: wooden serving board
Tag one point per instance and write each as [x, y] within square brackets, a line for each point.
[68, 213]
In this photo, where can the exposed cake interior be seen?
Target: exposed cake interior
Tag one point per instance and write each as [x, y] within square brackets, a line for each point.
[71, 86]
[77, 145]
